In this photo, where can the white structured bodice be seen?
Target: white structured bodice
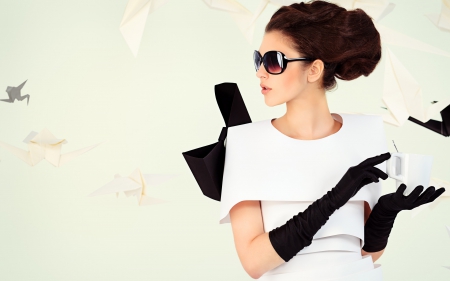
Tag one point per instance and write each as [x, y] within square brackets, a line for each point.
[288, 174]
[261, 163]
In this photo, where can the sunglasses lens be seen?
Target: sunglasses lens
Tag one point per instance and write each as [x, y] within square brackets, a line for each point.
[256, 60]
[273, 62]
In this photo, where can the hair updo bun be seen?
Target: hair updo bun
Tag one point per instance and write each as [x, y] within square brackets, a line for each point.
[346, 41]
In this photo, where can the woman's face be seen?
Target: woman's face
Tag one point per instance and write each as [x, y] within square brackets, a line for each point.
[292, 82]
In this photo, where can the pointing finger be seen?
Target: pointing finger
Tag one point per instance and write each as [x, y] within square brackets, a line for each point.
[372, 161]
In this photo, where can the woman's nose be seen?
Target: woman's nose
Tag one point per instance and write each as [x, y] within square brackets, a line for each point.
[261, 73]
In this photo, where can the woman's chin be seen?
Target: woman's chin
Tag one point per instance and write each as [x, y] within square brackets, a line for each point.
[271, 102]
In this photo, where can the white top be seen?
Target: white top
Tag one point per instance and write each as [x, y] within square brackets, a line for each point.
[261, 163]
[288, 174]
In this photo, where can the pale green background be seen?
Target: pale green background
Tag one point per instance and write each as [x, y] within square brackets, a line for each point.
[87, 87]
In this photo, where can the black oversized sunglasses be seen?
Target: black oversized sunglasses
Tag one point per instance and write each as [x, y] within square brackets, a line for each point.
[275, 62]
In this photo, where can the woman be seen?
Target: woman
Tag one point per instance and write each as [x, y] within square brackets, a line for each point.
[299, 189]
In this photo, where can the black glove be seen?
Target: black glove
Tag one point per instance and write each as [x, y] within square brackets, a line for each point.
[381, 219]
[298, 232]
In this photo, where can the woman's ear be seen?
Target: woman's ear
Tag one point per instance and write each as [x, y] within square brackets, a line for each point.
[315, 71]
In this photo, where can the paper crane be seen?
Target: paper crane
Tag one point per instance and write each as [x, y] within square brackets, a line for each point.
[135, 184]
[403, 97]
[14, 94]
[44, 145]
[442, 20]
[134, 19]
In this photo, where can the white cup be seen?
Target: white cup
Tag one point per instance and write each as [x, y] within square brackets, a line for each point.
[410, 169]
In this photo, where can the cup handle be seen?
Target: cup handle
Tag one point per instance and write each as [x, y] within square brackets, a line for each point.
[392, 164]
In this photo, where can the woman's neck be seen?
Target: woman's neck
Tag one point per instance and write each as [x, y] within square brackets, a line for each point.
[307, 117]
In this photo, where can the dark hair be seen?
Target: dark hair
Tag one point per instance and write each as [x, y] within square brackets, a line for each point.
[346, 41]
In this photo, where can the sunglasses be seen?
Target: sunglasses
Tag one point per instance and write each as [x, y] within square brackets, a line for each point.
[275, 62]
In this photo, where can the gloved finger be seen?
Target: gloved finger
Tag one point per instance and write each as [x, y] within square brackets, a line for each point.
[379, 173]
[372, 161]
[425, 196]
[371, 176]
[365, 181]
[412, 197]
[400, 190]
[436, 194]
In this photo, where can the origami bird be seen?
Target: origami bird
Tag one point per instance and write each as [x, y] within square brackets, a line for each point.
[402, 95]
[44, 145]
[136, 184]
[14, 94]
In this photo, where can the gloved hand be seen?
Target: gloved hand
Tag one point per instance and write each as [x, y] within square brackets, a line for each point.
[298, 232]
[381, 219]
[356, 177]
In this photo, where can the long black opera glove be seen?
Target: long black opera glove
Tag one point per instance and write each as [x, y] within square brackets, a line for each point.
[381, 219]
[298, 232]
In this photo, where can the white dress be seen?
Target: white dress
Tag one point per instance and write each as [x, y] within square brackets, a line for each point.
[288, 174]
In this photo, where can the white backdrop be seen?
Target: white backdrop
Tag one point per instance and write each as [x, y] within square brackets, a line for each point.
[86, 86]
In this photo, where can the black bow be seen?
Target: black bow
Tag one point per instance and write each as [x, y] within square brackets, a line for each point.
[207, 162]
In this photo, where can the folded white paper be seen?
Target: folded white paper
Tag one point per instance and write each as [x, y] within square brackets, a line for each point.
[402, 95]
[134, 19]
[44, 145]
[136, 184]
[442, 20]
